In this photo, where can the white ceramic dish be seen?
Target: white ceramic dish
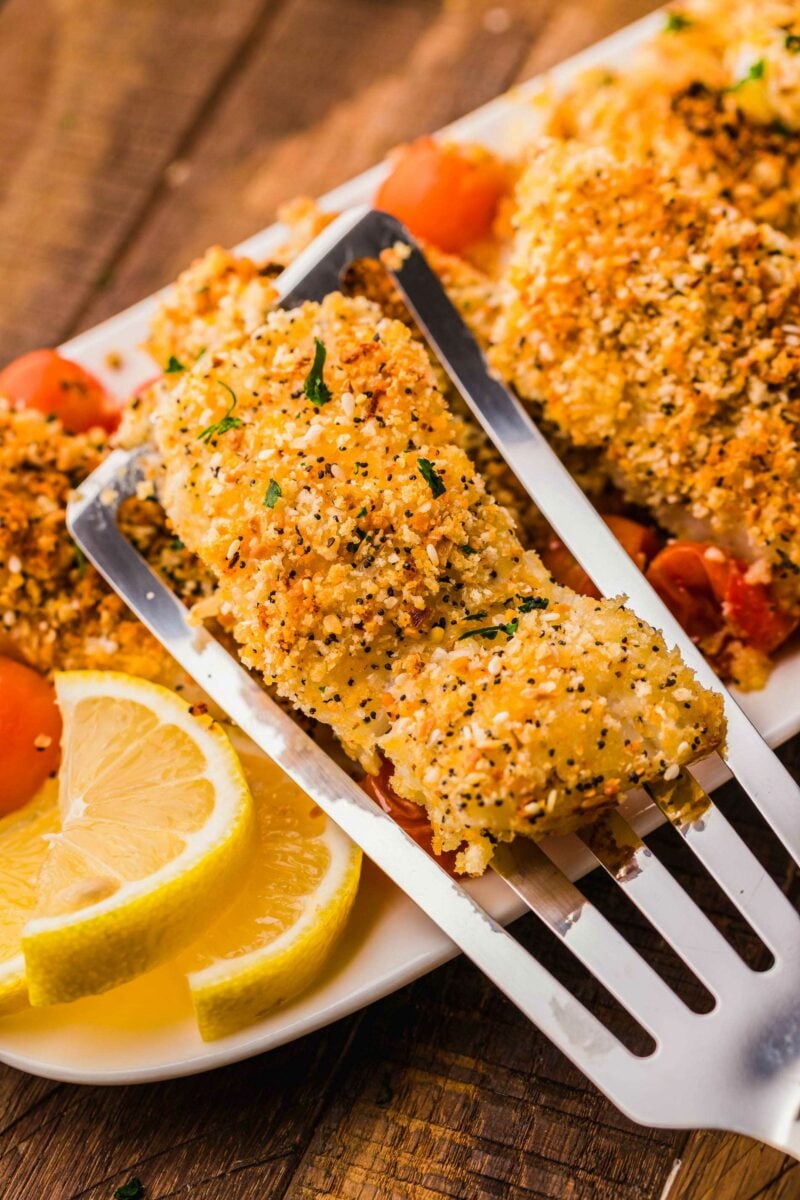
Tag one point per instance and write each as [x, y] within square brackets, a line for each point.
[145, 1031]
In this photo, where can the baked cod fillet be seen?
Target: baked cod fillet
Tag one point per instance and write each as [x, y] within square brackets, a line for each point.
[715, 94]
[664, 330]
[700, 132]
[367, 574]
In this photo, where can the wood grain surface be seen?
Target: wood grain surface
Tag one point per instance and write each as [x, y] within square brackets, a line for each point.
[132, 134]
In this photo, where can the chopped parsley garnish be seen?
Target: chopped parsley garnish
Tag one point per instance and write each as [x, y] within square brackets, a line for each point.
[757, 71]
[273, 495]
[529, 603]
[177, 544]
[509, 628]
[132, 1190]
[80, 560]
[362, 512]
[465, 549]
[359, 535]
[676, 21]
[315, 387]
[792, 43]
[227, 422]
[431, 476]
[491, 631]
[174, 366]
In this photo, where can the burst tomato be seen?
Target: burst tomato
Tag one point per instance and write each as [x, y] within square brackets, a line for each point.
[444, 193]
[706, 589]
[640, 542]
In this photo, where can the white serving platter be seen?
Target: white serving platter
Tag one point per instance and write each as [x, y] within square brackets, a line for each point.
[145, 1031]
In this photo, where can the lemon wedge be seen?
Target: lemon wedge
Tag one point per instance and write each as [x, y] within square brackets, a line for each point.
[22, 851]
[276, 937]
[156, 830]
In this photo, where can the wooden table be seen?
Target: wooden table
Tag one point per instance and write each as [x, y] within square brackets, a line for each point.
[133, 133]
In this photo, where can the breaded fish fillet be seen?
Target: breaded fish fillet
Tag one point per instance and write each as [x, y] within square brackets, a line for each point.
[367, 574]
[700, 133]
[664, 330]
[715, 94]
[218, 296]
[224, 295]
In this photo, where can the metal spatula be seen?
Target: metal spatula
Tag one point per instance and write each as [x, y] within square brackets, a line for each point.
[736, 1067]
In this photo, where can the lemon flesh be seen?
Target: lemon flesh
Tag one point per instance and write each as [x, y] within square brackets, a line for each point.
[156, 830]
[22, 851]
[274, 940]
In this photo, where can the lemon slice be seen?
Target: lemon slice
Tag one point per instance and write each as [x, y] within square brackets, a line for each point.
[274, 940]
[156, 830]
[22, 851]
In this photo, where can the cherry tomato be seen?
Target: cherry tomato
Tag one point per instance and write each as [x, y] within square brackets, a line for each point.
[691, 585]
[706, 589]
[59, 387]
[30, 733]
[640, 542]
[410, 816]
[445, 194]
[753, 615]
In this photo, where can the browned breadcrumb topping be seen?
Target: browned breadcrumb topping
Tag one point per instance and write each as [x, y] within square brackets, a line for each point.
[368, 575]
[304, 220]
[706, 140]
[746, 52]
[220, 295]
[472, 292]
[55, 610]
[665, 330]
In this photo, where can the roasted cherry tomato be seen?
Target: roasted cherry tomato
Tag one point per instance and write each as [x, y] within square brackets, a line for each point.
[691, 585]
[706, 589]
[58, 387]
[640, 542]
[754, 616]
[445, 194]
[412, 817]
[30, 733]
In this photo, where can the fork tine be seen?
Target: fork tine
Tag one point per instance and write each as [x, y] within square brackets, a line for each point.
[727, 859]
[648, 883]
[590, 936]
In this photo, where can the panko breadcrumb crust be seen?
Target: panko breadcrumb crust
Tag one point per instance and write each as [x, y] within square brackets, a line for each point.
[663, 329]
[363, 591]
[219, 296]
[699, 133]
[745, 53]
[56, 611]
[177, 332]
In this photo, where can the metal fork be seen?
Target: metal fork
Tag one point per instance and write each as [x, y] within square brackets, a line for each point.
[736, 1067]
